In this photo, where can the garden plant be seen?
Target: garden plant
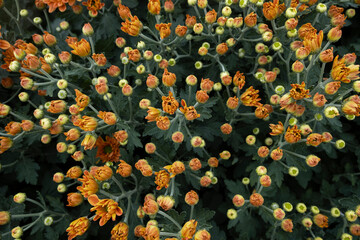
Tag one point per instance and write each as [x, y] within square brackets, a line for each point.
[179, 119]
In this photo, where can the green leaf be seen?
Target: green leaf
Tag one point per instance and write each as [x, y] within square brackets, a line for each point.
[26, 170]
[276, 173]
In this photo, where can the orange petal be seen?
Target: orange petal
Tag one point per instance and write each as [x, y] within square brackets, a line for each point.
[4, 44]
[93, 199]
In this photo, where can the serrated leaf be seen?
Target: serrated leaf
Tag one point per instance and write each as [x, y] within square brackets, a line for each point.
[26, 170]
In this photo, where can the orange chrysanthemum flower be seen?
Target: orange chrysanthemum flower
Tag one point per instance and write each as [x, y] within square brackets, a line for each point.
[124, 169]
[164, 29]
[293, 134]
[313, 41]
[124, 12]
[109, 150]
[81, 99]
[132, 27]
[154, 7]
[299, 92]
[276, 129]
[273, 9]
[57, 106]
[106, 209]
[189, 112]
[162, 179]
[153, 114]
[8, 57]
[341, 72]
[86, 123]
[188, 230]
[5, 144]
[81, 48]
[13, 128]
[321, 220]
[108, 117]
[94, 6]
[89, 185]
[102, 173]
[305, 30]
[60, 4]
[120, 231]
[78, 227]
[169, 103]
[163, 123]
[250, 97]
[239, 80]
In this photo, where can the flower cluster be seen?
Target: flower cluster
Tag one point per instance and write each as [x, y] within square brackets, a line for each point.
[151, 109]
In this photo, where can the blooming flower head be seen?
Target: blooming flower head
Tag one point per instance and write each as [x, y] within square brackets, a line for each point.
[273, 9]
[132, 26]
[162, 179]
[189, 112]
[313, 41]
[89, 185]
[250, 97]
[341, 72]
[276, 129]
[93, 6]
[154, 7]
[60, 4]
[305, 30]
[81, 48]
[86, 123]
[124, 169]
[188, 230]
[106, 209]
[78, 227]
[108, 150]
[108, 117]
[169, 103]
[102, 173]
[293, 134]
[299, 92]
[124, 12]
[120, 231]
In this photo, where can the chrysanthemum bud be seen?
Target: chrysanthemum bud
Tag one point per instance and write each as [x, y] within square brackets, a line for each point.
[19, 197]
[291, 12]
[293, 171]
[231, 214]
[301, 207]
[17, 232]
[61, 188]
[245, 181]
[334, 34]
[87, 29]
[321, 8]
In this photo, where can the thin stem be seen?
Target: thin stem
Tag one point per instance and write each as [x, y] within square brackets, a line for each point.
[130, 109]
[14, 18]
[27, 215]
[162, 157]
[47, 21]
[92, 44]
[35, 202]
[12, 97]
[118, 184]
[128, 210]
[191, 211]
[34, 74]
[170, 218]
[294, 154]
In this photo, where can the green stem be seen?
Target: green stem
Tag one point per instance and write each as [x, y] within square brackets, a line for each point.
[118, 184]
[170, 218]
[14, 18]
[191, 212]
[47, 21]
[92, 44]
